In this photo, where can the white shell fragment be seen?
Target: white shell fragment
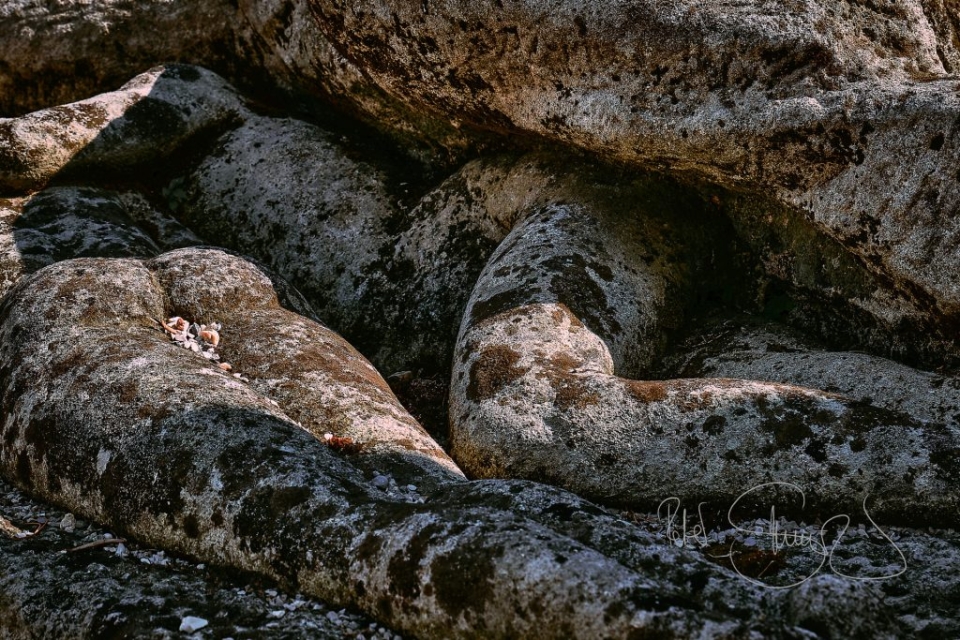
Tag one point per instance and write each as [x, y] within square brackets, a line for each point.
[202, 339]
[191, 623]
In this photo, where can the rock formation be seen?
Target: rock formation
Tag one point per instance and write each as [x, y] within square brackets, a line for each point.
[656, 252]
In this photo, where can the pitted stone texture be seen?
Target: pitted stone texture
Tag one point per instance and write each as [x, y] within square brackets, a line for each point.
[49, 591]
[60, 223]
[131, 132]
[534, 393]
[57, 52]
[54, 52]
[105, 417]
[686, 83]
[289, 193]
[822, 103]
[748, 349]
[281, 39]
[390, 274]
[812, 281]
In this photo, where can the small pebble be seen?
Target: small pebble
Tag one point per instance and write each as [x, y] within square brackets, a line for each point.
[192, 623]
[279, 613]
[381, 482]
[411, 488]
[68, 523]
[333, 617]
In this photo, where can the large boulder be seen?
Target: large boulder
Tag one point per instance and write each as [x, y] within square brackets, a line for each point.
[131, 133]
[582, 295]
[239, 473]
[823, 104]
[52, 53]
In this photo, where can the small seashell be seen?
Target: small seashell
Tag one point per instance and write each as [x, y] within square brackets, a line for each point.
[225, 366]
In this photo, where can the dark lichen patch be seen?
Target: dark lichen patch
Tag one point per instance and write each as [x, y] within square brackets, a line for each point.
[405, 567]
[465, 579]
[858, 443]
[191, 526]
[788, 427]
[263, 508]
[497, 304]
[714, 425]
[816, 449]
[837, 470]
[947, 462]
[863, 417]
[495, 368]
[130, 486]
[573, 286]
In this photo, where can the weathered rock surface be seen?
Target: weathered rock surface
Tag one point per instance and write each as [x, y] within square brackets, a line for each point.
[582, 289]
[52, 587]
[391, 273]
[60, 223]
[187, 458]
[824, 104]
[134, 130]
[52, 53]
[745, 348]
[818, 138]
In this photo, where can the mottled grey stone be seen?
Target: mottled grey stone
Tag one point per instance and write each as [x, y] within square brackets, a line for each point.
[821, 105]
[582, 293]
[182, 456]
[128, 133]
[55, 52]
[391, 274]
[59, 223]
